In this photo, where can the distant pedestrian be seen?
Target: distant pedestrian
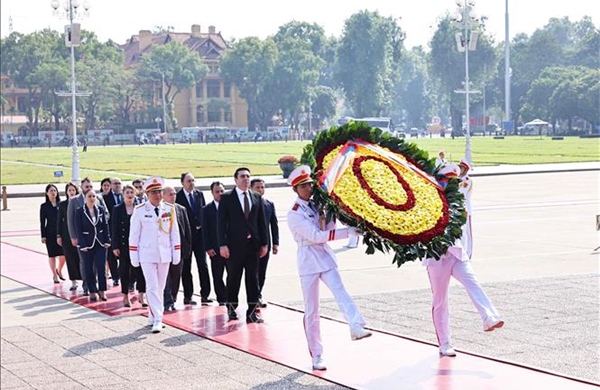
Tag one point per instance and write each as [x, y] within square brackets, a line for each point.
[440, 161]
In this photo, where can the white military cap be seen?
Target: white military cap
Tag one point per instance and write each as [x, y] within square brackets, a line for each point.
[300, 175]
[154, 183]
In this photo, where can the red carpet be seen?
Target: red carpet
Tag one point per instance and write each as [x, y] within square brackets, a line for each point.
[384, 361]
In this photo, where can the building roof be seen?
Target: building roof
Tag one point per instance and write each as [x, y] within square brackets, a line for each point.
[209, 45]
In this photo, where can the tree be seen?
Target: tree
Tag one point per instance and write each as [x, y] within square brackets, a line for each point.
[21, 56]
[249, 64]
[369, 49]
[412, 92]
[175, 64]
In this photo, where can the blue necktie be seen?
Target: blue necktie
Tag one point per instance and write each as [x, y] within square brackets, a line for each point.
[192, 205]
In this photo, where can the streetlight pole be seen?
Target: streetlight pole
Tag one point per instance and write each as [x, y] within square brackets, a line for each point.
[507, 74]
[72, 39]
[467, 41]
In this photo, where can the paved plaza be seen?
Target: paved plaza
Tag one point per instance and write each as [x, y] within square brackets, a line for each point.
[534, 255]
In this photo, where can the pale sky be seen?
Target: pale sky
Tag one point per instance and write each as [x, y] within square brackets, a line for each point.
[118, 20]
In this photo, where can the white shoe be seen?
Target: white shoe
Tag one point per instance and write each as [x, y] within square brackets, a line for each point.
[150, 321]
[447, 350]
[157, 327]
[318, 363]
[492, 323]
[358, 332]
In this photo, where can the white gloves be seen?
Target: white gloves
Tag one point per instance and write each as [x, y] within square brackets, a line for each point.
[354, 232]
[135, 263]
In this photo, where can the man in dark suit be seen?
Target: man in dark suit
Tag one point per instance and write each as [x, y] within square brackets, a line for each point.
[210, 218]
[258, 186]
[185, 233]
[243, 240]
[113, 198]
[193, 200]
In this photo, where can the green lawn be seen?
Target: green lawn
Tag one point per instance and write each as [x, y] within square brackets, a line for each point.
[29, 166]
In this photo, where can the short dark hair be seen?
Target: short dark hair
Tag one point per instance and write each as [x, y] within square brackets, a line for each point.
[214, 184]
[183, 175]
[235, 175]
[137, 181]
[254, 181]
[86, 180]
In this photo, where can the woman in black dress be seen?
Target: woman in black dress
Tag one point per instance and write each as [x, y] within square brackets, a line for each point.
[48, 226]
[120, 226]
[64, 239]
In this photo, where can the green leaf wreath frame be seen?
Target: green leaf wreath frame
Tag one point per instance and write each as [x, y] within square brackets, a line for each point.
[328, 140]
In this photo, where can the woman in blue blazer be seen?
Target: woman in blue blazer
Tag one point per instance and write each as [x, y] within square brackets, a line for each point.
[93, 241]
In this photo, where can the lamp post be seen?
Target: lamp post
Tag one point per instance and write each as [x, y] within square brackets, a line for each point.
[466, 40]
[158, 120]
[72, 9]
[507, 74]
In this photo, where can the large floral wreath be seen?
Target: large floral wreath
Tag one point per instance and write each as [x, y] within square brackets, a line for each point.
[387, 188]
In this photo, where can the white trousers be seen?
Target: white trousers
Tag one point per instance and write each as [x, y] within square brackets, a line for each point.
[156, 278]
[439, 278]
[310, 290]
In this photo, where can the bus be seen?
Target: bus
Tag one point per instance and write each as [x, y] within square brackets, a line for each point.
[383, 123]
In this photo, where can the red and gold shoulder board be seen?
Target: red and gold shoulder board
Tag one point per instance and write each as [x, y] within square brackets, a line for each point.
[295, 208]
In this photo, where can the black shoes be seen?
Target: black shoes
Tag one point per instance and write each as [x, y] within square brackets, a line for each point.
[262, 303]
[253, 318]
[170, 308]
[206, 301]
[232, 315]
[189, 301]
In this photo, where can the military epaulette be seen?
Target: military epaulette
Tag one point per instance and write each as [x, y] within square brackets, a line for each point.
[139, 205]
[295, 207]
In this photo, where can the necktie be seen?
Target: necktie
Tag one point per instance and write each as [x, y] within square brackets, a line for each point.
[156, 211]
[118, 199]
[191, 199]
[246, 205]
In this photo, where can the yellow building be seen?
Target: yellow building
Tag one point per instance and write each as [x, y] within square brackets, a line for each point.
[213, 102]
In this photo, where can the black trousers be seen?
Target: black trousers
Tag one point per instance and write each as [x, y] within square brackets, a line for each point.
[172, 284]
[72, 257]
[242, 257]
[186, 275]
[129, 274]
[113, 265]
[217, 266]
[262, 273]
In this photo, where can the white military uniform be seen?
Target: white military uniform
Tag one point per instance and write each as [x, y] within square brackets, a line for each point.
[154, 243]
[316, 261]
[456, 262]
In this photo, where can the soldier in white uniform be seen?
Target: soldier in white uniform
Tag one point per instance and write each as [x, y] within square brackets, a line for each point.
[316, 261]
[456, 262]
[154, 243]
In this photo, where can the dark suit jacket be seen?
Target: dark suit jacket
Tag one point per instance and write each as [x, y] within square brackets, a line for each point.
[109, 200]
[234, 228]
[210, 234]
[89, 233]
[195, 215]
[185, 231]
[120, 225]
[272, 224]
[48, 221]
[62, 225]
